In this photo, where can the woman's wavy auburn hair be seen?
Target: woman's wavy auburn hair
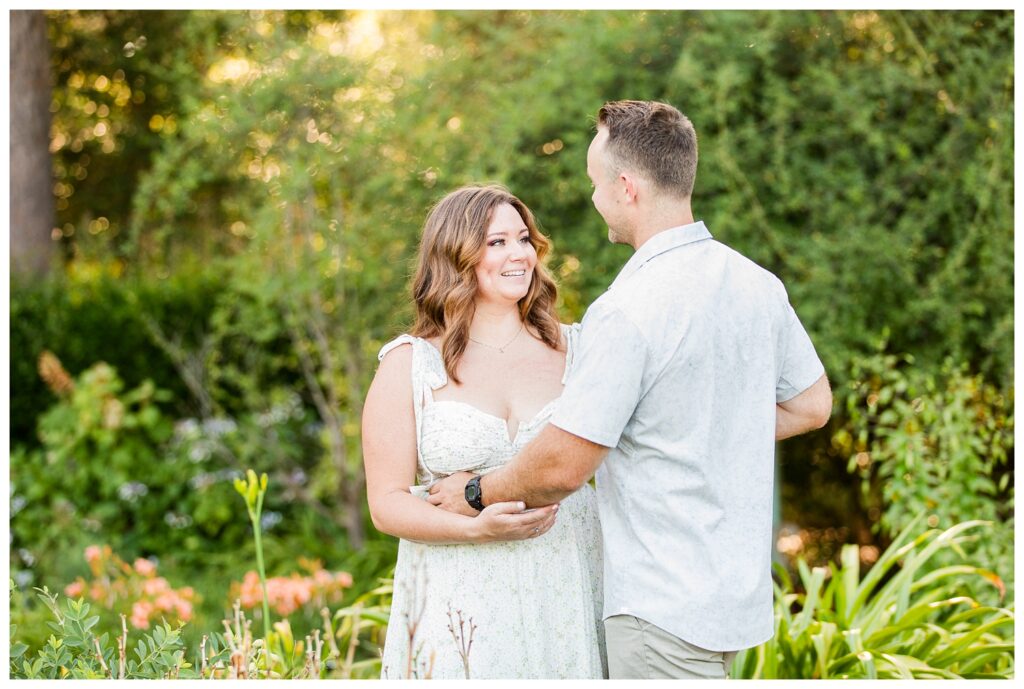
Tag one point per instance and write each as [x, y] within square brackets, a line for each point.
[445, 287]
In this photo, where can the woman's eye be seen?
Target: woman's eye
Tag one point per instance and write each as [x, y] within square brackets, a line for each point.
[524, 240]
[496, 242]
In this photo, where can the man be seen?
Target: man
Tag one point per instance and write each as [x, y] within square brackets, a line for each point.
[689, 368]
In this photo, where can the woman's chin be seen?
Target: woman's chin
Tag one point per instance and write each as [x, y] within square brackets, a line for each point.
[505, 298]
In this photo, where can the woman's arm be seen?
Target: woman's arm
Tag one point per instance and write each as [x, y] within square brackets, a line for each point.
[389, 456]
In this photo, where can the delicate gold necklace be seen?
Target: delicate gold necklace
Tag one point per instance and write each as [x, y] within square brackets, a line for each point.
[501, 349]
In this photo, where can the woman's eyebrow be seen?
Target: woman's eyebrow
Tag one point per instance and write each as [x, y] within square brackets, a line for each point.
[501, 233]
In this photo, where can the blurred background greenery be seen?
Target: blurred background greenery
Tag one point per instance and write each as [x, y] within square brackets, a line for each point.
[231, 202]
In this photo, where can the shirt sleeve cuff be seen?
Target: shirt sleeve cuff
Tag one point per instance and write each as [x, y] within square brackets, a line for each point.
[595, 436]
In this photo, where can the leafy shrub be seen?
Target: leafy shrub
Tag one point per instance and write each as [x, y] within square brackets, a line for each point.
[114, 468]
[898, 621]
[74, 651]
[94, 314]
[98, 461]
[933, 443]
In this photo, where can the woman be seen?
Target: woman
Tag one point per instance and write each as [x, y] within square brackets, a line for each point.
[508, 593]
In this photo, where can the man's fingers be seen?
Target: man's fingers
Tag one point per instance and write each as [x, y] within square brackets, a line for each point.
[540, 514]
[435, 499]
[528, 520]
[513, 508]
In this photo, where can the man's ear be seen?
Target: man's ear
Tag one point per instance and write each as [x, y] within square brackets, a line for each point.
[630, 186]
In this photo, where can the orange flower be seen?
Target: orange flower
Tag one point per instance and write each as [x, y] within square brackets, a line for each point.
[74, 589]
[287, 594]
[250, 593]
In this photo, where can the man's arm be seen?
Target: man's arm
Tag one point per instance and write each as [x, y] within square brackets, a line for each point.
[805, 412]
[553, 465]
[598, 401]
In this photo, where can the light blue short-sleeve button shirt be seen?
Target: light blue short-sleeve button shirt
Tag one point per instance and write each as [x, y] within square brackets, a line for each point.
[679, 367]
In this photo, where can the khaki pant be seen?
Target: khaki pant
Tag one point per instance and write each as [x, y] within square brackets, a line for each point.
[640, 650]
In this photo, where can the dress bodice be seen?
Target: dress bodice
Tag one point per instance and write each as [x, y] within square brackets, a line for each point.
[454, 436]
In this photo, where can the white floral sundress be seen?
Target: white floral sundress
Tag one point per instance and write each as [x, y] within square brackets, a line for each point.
[533, 607]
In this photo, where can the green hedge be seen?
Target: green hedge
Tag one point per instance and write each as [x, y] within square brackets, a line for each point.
[84, 319]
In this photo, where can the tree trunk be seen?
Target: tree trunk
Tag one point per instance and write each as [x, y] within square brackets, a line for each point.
[32, 207]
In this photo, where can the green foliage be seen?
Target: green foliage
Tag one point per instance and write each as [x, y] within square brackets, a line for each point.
[95, 441]
[863, 157]
[94, 314]
[932, 443]
[74, 651]
[303, 290]
[360, 629]
[114, 469]
[899, 621]
[827, 144]
[121, 81]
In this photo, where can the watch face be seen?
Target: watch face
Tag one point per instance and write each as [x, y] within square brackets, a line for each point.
[472, 491]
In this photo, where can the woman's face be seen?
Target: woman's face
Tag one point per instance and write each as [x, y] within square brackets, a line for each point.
[505, 272]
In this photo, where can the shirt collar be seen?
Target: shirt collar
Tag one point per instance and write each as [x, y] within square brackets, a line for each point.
[663, 241]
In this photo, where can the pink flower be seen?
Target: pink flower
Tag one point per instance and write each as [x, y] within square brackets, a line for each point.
[343, 579]
[166, 601]
[93, 553]
[184, 609]
[74, 589]
[145, 567]
[154, 587]
[140, 614]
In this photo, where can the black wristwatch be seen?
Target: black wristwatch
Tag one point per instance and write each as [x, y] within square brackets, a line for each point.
[475, 496]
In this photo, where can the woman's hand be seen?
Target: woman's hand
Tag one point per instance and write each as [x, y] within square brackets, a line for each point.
[509, 521]
[449, 494]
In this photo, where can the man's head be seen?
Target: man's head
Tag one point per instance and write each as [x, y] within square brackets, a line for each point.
[644, 158]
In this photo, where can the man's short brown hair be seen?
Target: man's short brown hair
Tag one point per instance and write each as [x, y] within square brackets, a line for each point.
[655, 140]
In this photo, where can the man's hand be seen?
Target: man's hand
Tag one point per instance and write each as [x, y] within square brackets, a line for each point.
[450, 494]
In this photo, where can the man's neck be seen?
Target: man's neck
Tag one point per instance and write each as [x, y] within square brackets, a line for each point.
[656, 223]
